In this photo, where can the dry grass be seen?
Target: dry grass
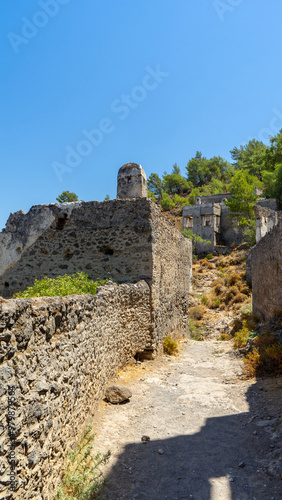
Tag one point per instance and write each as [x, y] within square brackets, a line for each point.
[197, 312]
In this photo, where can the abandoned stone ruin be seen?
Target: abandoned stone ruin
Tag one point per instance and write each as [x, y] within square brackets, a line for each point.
[57, 354]
[264, 262]
[209, 218]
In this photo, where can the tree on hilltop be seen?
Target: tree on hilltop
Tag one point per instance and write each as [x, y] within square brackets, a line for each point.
[66, 196]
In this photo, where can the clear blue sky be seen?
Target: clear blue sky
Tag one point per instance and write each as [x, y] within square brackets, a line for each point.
[154, 81]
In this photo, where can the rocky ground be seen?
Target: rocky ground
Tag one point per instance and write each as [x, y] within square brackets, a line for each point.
[213, 434]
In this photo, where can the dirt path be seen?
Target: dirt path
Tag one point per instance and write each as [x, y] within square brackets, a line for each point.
[213, 436]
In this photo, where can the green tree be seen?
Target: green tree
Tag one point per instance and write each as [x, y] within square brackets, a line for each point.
[155, 185]
[195, 238]
[250, 157]
[175, 182]
[151, 195]
[272, 175]
[166, 202]
[273, 184]
[201, 170]
[66, 196]
[194, 169]
[273, 153]
[243, 197]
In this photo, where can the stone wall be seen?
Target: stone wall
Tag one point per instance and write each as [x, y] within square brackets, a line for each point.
[230, 231]
[106, 240]
[58, 354]
[171, 278]
[112, 239]
[126, 240]
[266, 219]
[265, 260]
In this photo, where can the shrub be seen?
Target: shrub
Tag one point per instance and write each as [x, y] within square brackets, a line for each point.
[170, 346]
[233, 279]
[179, 200]
[82, 478]
[224, 336]
[209, 265]
[77, 284]
[217, 289]
[265, 357]
[245, 290]
[209, 256]
[166, 202]
[197, 312]
[215, 304]
[204, 300]
[195, 332]
[241, 338]
[151, 195]
[239, 297]
[218, 281]
[252, 362]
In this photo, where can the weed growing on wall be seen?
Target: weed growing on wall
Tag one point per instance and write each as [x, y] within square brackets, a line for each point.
[75, 284]
[82, 477]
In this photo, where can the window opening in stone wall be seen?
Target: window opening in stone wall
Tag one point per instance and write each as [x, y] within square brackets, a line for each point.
[189, 222]
[206, 220]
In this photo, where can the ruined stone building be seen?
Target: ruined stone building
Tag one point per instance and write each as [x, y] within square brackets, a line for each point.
[267, 215]
[210, 219]
[265, 262]
[126, 239]
[59, 353]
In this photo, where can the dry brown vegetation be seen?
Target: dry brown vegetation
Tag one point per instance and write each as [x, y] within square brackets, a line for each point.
[230, 292]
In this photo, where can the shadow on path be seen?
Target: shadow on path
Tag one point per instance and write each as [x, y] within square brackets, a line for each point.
[227, 460]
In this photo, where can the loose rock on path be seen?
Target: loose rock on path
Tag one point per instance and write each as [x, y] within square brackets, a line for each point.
[212, 434]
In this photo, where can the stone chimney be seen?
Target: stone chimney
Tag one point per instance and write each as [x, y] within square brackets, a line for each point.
[132, 182]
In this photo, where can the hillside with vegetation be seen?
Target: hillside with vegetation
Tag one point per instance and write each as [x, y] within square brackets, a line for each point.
[254, 165]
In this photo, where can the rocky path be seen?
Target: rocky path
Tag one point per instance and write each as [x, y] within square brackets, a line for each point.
[213, 435]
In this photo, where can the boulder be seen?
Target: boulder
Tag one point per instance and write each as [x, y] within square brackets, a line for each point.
[117, 394]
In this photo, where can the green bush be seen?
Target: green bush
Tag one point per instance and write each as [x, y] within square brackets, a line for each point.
[82, 479]
[75, 284]
[195, 331]
[179, 200]
[151, 195]
[166, 202]
[170, 346]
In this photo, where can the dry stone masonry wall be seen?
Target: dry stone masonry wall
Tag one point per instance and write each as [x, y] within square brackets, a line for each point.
[107, 240]
[57, 355]
[266, 269]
